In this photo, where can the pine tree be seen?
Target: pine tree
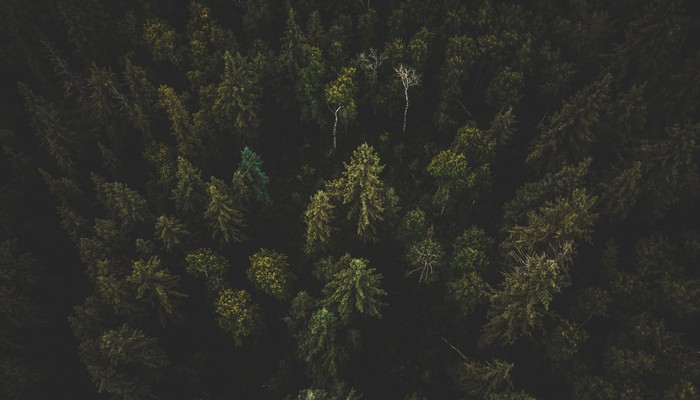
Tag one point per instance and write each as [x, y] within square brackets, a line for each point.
[189, 144]
[170, 231]
[320, 348]
[211, 265]
[157, 285]
[124, 362]
[269, 273]
[318, 218]
[237, 98]
[122, 203]
[237, 314]
[354, 289]
[362, 189]
[224, 219]
[190, 190]
[255, 178]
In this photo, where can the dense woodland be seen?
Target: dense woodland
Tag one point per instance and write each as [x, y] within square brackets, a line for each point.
[330, 199]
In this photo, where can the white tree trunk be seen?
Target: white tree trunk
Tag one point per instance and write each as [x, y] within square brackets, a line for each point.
[405, 111]
[335, 126]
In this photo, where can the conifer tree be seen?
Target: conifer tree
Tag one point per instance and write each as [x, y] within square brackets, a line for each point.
[224, 219]
[209, 264]
[269, 272]
[318, 218]
[353, 289]
[361, 188]
[255, 178]
[157, 285]
[124, 362]
[170, 231]
[237, 314]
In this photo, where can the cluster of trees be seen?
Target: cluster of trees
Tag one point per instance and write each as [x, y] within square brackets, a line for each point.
[347, 199]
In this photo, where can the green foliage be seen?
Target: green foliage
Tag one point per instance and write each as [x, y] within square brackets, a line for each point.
[19, 314]
[225, 220]
[341, 93]
[361, 188]
[162, 41]
[207, 263]
[503, 126]
[124, 362]
[670, 174]
[320, 394]
[189, 192]
[520, 305]
[425, 257]
[413, 226]
[130, 107]
[52, 132]
[122, 203]
[555, 225]
[533, 194]
[291, 53]
[505, 89]
[466, 287]
[340, 97]
[354, 288]
[464, 168]
[318, 218]
[255, 178]
[622, 192]
[269, 272]
[189, 144]
[156, 285]
[237, 96]
[320, 347]
[170, 231]
[569, 135]
[452, 174]
[480, 379]
[309, 87]
[564, 341]
[237, 314]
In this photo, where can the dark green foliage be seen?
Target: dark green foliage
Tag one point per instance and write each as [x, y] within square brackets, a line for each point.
[210, 265]
[523, 176]
[225, 220]
[124, 362]
[466, 286]
[362, 190]
[237, 314]
[464, 169]
[520, 305]
[255, 178]
[318, 218]
[354, 289]
[320, 347]
[236, 97]
[170, 231]
[19, 314]
[155, 284]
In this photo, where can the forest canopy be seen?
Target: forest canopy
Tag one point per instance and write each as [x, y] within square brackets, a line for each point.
[308, 199]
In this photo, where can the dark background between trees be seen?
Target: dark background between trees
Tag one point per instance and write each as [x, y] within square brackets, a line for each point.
[344, 199]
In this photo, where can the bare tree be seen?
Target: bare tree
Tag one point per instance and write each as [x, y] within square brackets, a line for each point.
[409, 78]
[372, 61]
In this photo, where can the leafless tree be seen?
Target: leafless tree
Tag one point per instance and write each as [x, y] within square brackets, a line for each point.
[372, 61]
[409, 78]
